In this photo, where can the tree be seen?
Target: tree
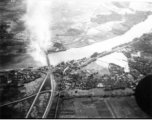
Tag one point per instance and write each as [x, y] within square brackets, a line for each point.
[57, 47]
[94, 55]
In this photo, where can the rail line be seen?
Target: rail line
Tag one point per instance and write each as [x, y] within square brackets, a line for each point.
[20, 99]
[51, 97]
[38, 93]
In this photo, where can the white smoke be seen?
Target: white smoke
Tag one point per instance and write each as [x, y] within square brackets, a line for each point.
[38, 24]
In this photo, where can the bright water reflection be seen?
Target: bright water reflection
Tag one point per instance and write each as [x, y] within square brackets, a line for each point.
[78, 53]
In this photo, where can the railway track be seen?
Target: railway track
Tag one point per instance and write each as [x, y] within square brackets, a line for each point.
[54, 111]
[41, 91]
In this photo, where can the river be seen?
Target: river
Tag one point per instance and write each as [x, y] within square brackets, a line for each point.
[78, 53]
[23, 61]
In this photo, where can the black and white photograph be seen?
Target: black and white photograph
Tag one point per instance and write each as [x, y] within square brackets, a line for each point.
[75, 59]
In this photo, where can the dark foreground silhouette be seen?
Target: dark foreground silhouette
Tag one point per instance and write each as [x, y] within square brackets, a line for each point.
[143, 94]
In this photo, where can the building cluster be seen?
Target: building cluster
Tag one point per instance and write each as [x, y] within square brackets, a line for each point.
[118, 81]
[76, 78]
[18, 89]
[71, 75]
[142, 46]
[142, 65]
[18, 78]
[15, 84]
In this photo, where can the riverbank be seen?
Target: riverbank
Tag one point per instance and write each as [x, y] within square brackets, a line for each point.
[79, 53]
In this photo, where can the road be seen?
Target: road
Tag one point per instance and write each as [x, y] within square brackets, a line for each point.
[52, 95]
[49, 78]
[52, 81]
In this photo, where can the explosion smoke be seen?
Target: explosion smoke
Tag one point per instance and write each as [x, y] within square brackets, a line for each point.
[38, 24]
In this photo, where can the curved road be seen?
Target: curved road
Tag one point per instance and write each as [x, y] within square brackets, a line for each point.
[49, 77]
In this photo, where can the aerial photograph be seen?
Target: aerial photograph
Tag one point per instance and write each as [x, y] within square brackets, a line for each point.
[63, 59]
